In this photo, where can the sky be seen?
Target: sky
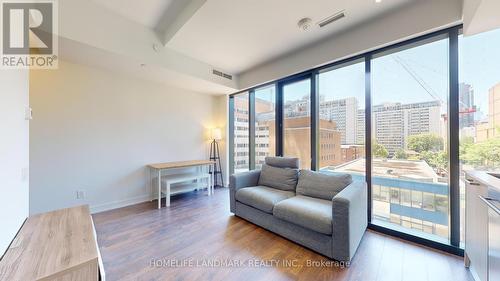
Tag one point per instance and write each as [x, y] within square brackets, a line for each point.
[415, 75]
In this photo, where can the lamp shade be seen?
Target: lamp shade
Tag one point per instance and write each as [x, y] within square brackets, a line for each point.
[216, 134]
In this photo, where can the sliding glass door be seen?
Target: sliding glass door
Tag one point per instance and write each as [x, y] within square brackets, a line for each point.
[410, 163]
[297, 121]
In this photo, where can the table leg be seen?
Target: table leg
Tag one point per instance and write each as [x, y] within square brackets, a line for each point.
[197, 180]
[167, 198]
[159, 188]
[150, 183]
[213, 181]
[209, 181]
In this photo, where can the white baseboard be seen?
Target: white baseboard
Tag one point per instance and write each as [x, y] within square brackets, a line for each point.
[119, 203]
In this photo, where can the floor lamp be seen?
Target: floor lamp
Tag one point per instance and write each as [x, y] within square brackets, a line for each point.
[216, 170]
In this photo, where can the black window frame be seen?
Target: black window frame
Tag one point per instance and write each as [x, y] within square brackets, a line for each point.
[452, 33]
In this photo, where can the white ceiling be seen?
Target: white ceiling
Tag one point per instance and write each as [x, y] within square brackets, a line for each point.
[237, 35]
[144, 12]
[77, 52]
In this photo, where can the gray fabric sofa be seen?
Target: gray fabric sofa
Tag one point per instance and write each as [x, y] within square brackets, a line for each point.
[324, 212]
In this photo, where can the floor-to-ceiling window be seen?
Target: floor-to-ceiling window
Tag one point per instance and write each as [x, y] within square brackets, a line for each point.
[479, 105]
[241, 116]
[389, 117]
[265, 124]
[409, 115]
[341, 92]
[297, 121]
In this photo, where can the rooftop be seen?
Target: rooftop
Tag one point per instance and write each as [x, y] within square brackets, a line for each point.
[404, 169]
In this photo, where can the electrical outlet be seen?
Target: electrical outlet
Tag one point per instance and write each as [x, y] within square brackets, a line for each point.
[80, 194]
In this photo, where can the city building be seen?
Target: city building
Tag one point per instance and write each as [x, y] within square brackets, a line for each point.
[406, 193]
[297, 134]
[241, 137]
[494, 110]
[264, 130]
[344, 113]
[352, 152]
[490, 128]
[360, 126]
[393, 123]
[466, 105]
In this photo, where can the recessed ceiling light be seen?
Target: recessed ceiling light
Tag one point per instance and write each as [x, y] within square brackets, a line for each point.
[378, 1]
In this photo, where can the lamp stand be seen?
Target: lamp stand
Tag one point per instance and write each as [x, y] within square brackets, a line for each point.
[216, 170]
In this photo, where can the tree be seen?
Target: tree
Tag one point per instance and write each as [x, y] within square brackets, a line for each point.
[437, 160]
[425, 142]
[379, 150]
[400, 154]
[485, 153]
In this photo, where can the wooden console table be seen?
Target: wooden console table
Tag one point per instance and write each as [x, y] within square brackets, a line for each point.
[58, 245]
[197, 176]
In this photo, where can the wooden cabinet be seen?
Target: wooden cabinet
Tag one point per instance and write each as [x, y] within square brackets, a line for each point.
[476, 229]
[59, 245]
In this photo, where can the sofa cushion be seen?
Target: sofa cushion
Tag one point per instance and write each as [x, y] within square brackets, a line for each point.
[283, 162]
[280, 178]
[312, 213]
[321, 185]
[262, 197]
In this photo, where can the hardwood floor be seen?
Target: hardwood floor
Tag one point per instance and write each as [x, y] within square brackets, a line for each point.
[141, 242]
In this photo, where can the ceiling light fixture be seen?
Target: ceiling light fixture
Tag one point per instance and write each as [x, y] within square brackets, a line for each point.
[378, 1]
[305, 24]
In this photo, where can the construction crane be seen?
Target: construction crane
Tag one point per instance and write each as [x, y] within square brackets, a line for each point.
[417, 78]
[428, 89]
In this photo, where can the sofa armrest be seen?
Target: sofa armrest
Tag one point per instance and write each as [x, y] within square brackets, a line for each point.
[241, 180]
[245, 179]
[349, 219]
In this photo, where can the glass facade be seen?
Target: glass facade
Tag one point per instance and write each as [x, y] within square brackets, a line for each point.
[297, 121]
[342, 117]
[409, 133]
[479, 105]
[265, 124]
[241, 117]
[388, 117]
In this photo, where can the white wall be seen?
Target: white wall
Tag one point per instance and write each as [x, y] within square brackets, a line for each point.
[95, 130]
[221, 121]
[421, 17]
[14, 153]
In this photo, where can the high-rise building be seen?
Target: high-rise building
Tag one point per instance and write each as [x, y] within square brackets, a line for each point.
[296, 139]
[393, 123]
[344, 113]
[264, 130]
[360, 126]
[466, 105]
[241, 136]
[494, 109]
